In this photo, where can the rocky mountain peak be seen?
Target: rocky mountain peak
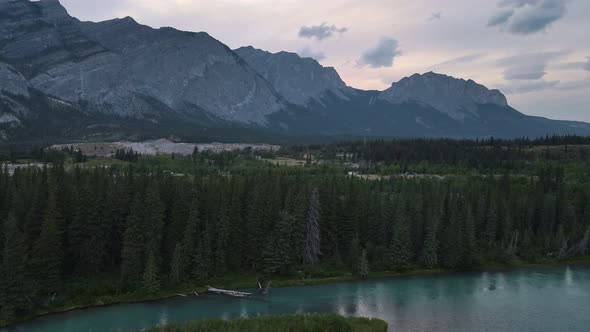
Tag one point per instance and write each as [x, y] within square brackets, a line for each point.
[53, 9]
[299, 80]
[453, 96]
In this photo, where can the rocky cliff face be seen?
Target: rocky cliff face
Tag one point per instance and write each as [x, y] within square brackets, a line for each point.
[299, 80]
[126, 69]
[62, 78]
[454, 97]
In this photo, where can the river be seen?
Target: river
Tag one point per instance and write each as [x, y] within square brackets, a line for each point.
[532, 299]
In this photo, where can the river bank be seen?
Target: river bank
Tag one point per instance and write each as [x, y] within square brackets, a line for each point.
[249, 282]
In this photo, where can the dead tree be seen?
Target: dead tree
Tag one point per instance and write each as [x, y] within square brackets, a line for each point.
[311, 246]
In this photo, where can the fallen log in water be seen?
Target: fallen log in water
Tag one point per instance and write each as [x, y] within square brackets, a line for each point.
[228, 292]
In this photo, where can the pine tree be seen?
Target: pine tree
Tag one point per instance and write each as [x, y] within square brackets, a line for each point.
[221, 246]
[363, 268]
[202, 259]
[12, 272]
[47, 256]
[469, 243]
[400, 248]
[311, 247]
[151, 277]
[355, 254]
[491, 226]
[276, 255]
[177, 264]
[133, 243]
[154, 221]
[429, 255]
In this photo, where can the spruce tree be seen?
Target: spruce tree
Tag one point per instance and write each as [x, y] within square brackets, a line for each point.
[12, 272]
[132, 255]
[151, 277]
[491, 226]
[276, 254]
[400, 248]
[429, 255]
[47, 256]
[363, 268]
[177, 265]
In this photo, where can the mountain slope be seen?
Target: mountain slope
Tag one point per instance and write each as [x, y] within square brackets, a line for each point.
[122, 68]
[299, 80]
[429, 105]
[65, 79]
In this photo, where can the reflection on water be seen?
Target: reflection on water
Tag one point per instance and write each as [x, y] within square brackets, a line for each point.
[541, 299]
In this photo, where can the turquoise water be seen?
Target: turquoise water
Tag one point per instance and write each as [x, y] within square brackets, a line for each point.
[539, 299]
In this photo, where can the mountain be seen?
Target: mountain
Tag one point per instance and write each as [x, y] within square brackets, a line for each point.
[457, 98]
[122, 68]
[63, 79]
[299, 80]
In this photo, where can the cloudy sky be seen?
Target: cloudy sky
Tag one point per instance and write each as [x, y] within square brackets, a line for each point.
[535, 51]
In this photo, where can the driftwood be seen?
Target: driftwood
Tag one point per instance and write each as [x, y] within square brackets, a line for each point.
[264, 290]
[228, 292]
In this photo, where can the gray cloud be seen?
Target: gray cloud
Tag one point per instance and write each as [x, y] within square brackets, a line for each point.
[573, 65]
[307, 52]
[528, 66]
[574, 85]
[382, 55]
[534, 71]
[540, 85]
[518, 3]
[469, 58]
[528, 16]
[500, 17]
[435, 16]
[320, 32]
[528, 87]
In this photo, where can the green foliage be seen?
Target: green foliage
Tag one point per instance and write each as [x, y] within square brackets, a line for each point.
[151, 278]
[165, 223]
[12, 272]
[363, 268]
[400, 252]
[288, 323]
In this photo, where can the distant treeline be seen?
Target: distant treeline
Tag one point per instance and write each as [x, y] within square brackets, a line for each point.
[152, 229]
[483, 155]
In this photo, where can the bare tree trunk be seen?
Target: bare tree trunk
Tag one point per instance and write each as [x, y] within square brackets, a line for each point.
[311, 246]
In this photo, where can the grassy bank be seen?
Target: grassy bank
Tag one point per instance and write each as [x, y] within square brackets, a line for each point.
[79, 295]
[287, 323]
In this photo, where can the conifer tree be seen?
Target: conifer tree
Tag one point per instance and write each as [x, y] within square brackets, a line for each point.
[400, 248]
[177, 264]
[12, 272]
[491, 226]
[276, 254]
[311, 247]
[133, 243]
[47, 255]
[151, 277]
[429, 255]
[363, 268]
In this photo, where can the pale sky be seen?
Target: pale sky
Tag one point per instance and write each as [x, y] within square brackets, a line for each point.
[536, 51]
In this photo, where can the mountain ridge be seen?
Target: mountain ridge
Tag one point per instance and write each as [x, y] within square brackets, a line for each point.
[126, 75]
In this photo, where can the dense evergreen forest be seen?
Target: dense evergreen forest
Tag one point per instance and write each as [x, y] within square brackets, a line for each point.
[151, 223]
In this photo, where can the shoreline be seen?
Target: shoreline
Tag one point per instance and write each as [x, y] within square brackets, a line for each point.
[294, 283]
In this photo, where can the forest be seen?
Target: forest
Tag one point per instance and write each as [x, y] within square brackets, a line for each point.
[140, 224]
